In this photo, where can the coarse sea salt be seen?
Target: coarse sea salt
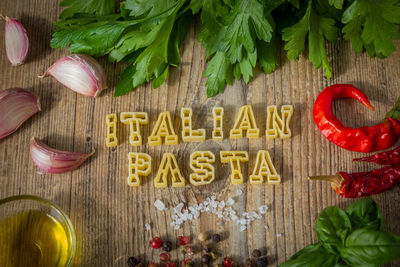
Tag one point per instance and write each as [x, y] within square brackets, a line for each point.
[263, 209]
[243, 228]
[159, 205]
[147, 227]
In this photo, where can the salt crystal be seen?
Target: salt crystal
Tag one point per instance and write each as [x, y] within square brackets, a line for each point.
[243, 228]
[266, 227]
[228, 209]
[147, 227]
[232, 212]
[206, 203]
[178, 208]
[243, 221]
[177, 227]
[230, 202]
[239, 192]
[179, 221]
[263, 209]
[159, 205]
[221, 205]
[174, 217]
[279, 235]
[234, 217]
[213, 197]
[252, 214]
[172, 224]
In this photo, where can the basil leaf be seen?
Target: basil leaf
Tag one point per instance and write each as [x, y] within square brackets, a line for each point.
[366, 247]
[365, 213]
[312, 256]
[332, 227]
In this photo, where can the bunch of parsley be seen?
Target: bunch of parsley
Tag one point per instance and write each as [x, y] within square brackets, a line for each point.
[237, 35]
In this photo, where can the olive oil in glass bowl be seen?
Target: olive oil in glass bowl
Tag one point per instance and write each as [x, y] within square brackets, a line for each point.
[34, 232]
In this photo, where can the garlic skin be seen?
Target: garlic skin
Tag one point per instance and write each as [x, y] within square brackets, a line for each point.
[80, 73]
[55, 161]
[16, 106]
[17, 42]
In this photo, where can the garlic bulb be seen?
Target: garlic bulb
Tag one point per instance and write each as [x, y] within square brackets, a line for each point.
[55, 161]
[17, 42]
[80, 73]
[16, 106]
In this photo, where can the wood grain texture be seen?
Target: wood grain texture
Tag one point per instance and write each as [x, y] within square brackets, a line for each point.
[110, 217]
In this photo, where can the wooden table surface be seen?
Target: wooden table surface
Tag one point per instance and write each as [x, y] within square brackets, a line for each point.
[109, 216]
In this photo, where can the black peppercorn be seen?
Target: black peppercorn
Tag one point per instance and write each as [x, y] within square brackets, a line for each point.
[167, 246]
[206, 249]
[216, 238]
[132, 261]
[262, 262]
[256, 253]
[206, 259]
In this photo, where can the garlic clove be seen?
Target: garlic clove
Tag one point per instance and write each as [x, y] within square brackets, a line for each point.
[55, 161]
[16, 106]
[80, 73]
[17, 42]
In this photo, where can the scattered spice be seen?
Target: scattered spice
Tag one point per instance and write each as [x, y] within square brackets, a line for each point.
[183, 240]
[167, 246]
[256, 253]
[216, 238]
[249, 263]
[153, 265]
[132, 261]
[203, 236]
[164, 256]
[214, 254]
[228, 261]
[206, 258]
[188, 263]
[156, 242]
[206, 249]
[262, 262]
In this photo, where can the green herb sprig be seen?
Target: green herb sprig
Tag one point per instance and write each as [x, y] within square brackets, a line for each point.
[238, 35]
[349, 238]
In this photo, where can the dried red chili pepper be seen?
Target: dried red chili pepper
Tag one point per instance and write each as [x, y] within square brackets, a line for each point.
[363, 139]
[391, 157]
[362, 184]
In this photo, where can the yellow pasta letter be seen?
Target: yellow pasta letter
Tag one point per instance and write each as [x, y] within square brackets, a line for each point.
[245, 122]
[134, 119]
[278, 126]
[188, 134]
[139, 165]
[169, 168]
[218, 133]
[234, 158]
[111, 139]
[163, 128]
[264, 168]
[201, 164]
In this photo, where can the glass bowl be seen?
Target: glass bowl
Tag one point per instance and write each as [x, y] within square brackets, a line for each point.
[35, 232]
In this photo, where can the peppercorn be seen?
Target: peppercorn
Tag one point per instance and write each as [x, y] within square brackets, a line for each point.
[203, 236]
[228, 262]
[206, 258]
[164, 257]
[188, 263]
[249, 263]
[214, 254]
[216, 238]
[132, 261]
[167, 246]
[156, 242]
[206, 249]
[256, 253]
[262, 262]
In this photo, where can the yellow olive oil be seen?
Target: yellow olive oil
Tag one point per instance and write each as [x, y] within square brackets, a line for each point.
[35, 239]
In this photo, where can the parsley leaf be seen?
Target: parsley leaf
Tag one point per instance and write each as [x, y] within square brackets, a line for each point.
[317, 29]
[98, 7]
[219, 73]
[372, 25]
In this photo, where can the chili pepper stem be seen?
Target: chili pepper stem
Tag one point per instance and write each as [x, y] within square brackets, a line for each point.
[336, 180]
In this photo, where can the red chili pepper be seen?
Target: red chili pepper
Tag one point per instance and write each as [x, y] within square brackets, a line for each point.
[362, 184]
[391, 157]
[363, 139]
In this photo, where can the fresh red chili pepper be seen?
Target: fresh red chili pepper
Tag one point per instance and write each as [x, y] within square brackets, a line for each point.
[363, 139]
[362, 184]
[391, 157]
